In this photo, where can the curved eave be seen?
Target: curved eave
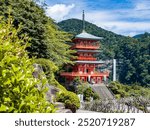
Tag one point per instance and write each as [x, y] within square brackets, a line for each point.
[94, 51]
[85, 35]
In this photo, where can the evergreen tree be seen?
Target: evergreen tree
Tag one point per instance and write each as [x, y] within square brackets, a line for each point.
[46, 40]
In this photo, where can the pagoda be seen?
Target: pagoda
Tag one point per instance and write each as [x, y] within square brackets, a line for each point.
[87, 46]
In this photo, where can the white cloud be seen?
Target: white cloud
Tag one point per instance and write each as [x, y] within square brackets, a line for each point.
[127, 28]
[142, 4]
[110, 20]
[59, 11]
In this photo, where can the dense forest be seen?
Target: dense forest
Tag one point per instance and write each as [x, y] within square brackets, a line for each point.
[133, 55]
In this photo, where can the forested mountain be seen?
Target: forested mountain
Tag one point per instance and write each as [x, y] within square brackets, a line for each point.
[141, 35]
[132, 54]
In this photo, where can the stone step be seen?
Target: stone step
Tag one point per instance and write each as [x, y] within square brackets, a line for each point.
[102, 91]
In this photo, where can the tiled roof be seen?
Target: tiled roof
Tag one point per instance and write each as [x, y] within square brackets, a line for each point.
[85, 35]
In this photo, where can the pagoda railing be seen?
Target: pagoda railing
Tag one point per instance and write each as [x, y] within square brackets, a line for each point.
[86, 46]
[87, 58]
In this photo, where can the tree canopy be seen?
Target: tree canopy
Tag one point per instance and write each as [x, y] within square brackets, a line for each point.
[47, 41]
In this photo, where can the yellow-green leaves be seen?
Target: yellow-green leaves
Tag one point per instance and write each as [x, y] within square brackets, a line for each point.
[18, 87]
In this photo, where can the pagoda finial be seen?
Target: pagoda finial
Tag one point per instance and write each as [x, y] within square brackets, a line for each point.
[83, 22]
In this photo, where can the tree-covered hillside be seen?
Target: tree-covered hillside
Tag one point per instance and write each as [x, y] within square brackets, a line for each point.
[141, 35]
[132, 54]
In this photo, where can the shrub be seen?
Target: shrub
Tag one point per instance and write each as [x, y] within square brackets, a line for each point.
[121, 90]
[88, 93]
[18, 88]
[96, 96]
[70, 99]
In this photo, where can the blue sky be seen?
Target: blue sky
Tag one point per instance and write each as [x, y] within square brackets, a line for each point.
[126, 17]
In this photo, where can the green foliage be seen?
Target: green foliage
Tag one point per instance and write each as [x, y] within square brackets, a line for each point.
[81, 88]
[47, 41]
[70, 99]
[58, 85]
[134, 60]
[122, 91]
[48, 67]
[87, 92]
[96, 96]
[19, 91]
[58, 52]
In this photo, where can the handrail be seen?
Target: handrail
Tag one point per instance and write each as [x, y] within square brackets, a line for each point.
[85, 74]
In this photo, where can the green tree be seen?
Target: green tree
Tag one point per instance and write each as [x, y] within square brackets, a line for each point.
[47, 41]
[19, 90]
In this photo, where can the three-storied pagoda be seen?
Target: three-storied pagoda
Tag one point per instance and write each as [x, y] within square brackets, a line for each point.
[87, 46]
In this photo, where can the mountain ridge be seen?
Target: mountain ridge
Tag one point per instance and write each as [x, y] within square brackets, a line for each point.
[78, 22]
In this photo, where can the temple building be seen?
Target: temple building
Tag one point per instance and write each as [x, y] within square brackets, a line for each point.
[87, 46]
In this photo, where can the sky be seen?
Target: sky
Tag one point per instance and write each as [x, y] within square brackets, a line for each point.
[125, 17]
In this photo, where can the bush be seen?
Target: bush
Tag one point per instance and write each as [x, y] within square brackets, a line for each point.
[122, 91]
[88, 93]
[19, 90]
[70, 99]
[96, 96]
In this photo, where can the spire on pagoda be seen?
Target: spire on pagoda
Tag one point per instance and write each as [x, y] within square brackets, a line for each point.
[83, 22]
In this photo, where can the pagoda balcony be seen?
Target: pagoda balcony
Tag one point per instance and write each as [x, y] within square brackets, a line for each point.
[87, 58]
[89, 62]
[90, 47]
[78, 74]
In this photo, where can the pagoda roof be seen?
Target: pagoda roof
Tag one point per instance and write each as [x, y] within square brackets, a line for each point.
[85, 35]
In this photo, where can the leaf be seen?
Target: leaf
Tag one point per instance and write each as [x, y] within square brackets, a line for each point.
[7, 99]
[3, 108]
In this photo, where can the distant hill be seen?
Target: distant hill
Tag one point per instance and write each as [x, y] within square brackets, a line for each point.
[138, 36]
[74, 26]
[142, 35]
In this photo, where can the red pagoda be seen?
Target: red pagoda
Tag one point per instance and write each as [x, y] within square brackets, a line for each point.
[87, 46]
